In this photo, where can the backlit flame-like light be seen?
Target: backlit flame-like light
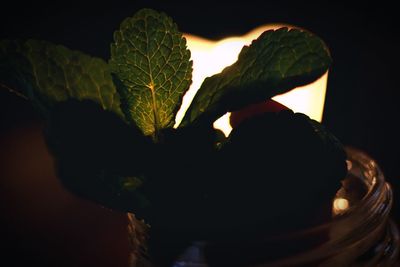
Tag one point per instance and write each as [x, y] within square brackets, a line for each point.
[211, 57]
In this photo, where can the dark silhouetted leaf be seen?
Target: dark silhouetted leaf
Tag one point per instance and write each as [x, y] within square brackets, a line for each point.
[98, 156]
[46, 74]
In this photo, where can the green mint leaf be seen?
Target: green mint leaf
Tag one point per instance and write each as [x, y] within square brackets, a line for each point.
[151, 60]
[276, 62]
[46, 74]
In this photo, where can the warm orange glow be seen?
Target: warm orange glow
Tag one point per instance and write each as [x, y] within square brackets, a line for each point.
[211, 57]
[340, 205]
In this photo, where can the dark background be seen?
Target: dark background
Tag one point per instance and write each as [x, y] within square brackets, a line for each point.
[41, 223]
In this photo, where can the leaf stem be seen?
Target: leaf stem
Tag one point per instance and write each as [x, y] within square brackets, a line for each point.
[156, 134]
[14, 91]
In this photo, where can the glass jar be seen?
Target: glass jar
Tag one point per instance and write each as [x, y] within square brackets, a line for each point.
[360, 232]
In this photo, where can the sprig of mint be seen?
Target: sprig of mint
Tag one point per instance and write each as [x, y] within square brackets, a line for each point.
[142, 85]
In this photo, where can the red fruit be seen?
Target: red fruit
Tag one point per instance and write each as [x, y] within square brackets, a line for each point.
[249, 111]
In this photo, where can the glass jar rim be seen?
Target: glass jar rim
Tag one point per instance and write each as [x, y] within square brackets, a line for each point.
[376, 185]
[368, 215]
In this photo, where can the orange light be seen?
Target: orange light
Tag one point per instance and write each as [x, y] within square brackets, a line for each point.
[340, 205]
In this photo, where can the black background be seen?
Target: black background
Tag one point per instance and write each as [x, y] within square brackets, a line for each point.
[362, 99]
